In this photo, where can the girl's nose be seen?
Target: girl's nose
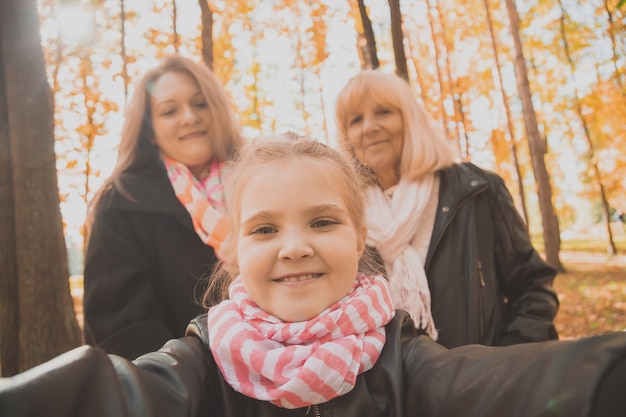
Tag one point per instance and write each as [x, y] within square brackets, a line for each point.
[295, 246]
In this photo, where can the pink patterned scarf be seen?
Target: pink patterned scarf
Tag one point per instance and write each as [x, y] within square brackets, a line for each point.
[300, 364]
[203, 200]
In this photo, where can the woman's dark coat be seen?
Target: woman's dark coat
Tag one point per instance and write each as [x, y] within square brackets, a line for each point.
[145, 267]
[488, 284]
[414, 377]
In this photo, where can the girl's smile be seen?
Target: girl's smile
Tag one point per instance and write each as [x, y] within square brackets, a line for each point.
[297, 278]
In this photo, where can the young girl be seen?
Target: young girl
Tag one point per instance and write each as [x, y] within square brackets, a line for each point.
[304, 333]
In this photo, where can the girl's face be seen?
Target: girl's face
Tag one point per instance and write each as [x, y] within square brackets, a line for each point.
[376, 132]
[181, 120]
[298, 248]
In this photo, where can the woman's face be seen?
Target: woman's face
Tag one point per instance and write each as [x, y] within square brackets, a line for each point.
[376, 133]
[297, 246]
[181, 120]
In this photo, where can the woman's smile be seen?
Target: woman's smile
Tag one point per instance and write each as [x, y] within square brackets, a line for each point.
[194, 135]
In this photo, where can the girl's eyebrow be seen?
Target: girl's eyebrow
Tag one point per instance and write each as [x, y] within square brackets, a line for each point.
[325, 208]
[269, 215]
[260, 216]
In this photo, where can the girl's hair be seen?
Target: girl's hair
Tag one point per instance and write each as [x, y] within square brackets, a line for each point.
[425, 149]
[252, 157]
[137, 146]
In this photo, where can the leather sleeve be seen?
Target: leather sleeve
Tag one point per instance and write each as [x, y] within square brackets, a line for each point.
[526, 279]
[556, 378]
[87, 382]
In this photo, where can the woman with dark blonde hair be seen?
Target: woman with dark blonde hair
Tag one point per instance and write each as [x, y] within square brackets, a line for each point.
[455, 250]
[158, 220]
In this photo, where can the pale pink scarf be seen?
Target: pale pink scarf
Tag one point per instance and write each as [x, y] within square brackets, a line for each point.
[203, 200]
[392, 224]
[300, 364]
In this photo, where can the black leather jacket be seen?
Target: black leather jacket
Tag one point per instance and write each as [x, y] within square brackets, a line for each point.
[488, 284]
[413, 377]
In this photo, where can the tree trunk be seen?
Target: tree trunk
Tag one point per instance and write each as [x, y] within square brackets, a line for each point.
[549, 221]
[455, 96]
[509, 119]
[615, 55]
[590, 157]
[123, 49]
[397, 38]
[207, 33]
[442, 93]
[370, 57]
[176, 38]
[37, 320]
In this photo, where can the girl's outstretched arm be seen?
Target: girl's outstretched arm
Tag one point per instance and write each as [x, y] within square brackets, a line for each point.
[565, 378]
[87, 382]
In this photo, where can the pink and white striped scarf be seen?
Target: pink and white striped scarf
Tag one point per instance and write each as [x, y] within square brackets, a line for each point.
[392, 224]
[300, 364]
[203, 200]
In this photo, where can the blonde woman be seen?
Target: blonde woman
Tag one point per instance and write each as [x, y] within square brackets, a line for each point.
[455, 250]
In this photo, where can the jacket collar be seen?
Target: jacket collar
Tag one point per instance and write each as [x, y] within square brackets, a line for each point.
[152, 192]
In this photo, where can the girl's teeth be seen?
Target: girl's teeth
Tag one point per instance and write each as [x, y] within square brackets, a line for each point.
[298, 278]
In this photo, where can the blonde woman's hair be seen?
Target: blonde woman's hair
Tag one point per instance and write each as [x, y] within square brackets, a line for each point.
[137, 145]
[426, 149]
[267, 149]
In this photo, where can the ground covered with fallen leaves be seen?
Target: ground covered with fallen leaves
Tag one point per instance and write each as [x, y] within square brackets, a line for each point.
[592, 293]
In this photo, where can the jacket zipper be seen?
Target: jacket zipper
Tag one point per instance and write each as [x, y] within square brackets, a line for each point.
[316, 411]
[481, 297]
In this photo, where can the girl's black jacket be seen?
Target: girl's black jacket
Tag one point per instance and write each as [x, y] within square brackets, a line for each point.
[488, 284]
[414, 376]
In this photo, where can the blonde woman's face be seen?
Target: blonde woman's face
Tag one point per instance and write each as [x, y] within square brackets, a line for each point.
[181, 120]
[298, 248]
[376, 133]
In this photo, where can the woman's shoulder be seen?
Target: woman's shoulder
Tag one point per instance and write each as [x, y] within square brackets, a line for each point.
[470, 173]
[138, 188]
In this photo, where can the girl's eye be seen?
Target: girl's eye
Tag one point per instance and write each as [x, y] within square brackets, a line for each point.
[263, 230]
[168, 112]
[324, 223]
[201, 105]
[383, 111]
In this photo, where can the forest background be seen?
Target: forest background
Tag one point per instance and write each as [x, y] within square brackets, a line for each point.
[533, 89]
